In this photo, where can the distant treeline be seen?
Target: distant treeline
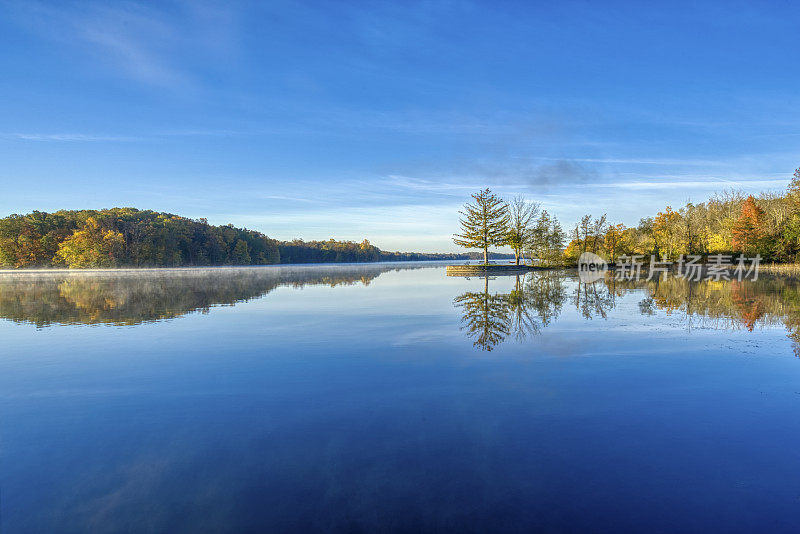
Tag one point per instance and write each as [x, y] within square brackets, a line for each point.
[299, 251]
[421, 256]
[127, 237]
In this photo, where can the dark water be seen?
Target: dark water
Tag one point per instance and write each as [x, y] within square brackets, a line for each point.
[378, 398]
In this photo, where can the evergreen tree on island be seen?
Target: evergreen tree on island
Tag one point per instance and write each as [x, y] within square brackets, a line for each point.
[484, 223]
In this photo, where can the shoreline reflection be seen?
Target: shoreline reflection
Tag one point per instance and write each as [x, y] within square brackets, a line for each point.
[538, 298]
[130, 298]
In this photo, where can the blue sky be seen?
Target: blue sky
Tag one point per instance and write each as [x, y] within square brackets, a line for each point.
[378, 119]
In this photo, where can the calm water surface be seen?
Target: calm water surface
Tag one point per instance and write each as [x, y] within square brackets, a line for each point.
[395, 398]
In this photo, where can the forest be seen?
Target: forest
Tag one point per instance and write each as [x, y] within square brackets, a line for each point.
[128, 237]
[729, 223]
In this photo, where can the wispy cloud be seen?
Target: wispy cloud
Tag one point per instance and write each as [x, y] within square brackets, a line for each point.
[67, 137]
[290, 199]
[693, 184]
[88, 138]
[419, 184]
[646, 161]
[145, 42]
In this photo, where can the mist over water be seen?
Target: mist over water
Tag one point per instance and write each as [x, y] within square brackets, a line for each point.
[132, 296]
[392, 397]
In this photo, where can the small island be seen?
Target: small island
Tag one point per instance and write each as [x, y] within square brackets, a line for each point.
[489, 221]
[492, 268]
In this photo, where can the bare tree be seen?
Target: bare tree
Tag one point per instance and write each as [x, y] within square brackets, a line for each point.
[598, 229]
[521, 229]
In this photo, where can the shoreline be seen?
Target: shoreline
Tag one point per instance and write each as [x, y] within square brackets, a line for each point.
[64, 270]
[460, 270]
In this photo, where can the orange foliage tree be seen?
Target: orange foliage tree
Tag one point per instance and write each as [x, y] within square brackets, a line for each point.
[748, 229]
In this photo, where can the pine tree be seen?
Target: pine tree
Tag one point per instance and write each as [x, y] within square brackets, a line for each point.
[484, 223]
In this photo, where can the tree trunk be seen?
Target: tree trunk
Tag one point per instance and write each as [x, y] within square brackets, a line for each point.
[486, 255]
[516, 256]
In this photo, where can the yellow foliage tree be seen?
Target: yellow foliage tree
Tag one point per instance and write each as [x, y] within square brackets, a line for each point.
[717, 244]
[91, 246]
[667, 232]
[614, 241]
[573, 251]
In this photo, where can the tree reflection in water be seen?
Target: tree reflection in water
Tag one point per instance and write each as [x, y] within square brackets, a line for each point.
[731, 305]
[593, 299]
[537, 298]
[132, 297]
[485, 317]
[488, 318]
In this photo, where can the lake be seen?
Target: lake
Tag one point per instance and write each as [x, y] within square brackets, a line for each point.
[391, 397]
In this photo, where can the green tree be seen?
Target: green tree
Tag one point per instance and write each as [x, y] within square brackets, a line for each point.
[483, 223]
[547, 240]
[241, 253]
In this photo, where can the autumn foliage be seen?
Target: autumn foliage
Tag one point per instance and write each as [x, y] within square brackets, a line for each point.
[748, 230]
[728, 223]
